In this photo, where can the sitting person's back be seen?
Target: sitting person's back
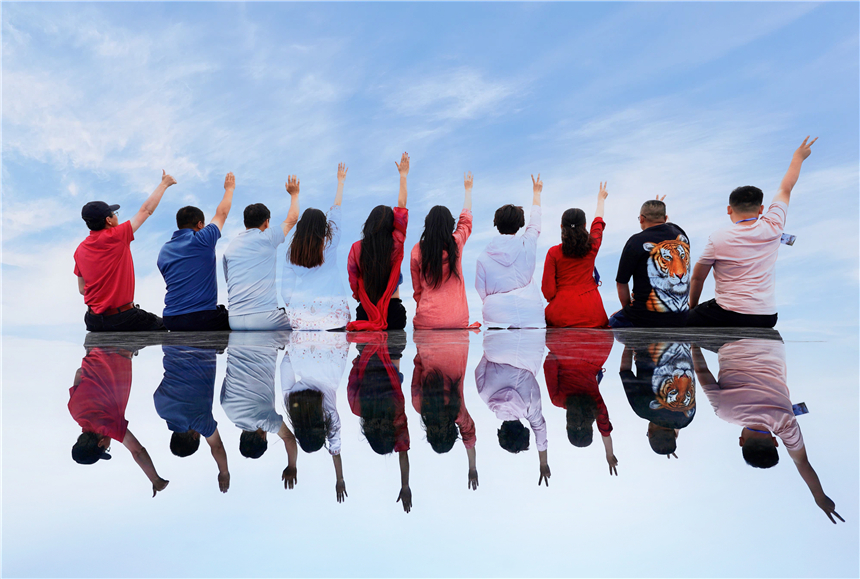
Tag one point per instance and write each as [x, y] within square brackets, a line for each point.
[506, 266]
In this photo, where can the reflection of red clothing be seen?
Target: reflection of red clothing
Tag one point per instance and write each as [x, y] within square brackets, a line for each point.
[377, 313]
[98, 402]
[572, 365]
[376, 344]
[569, 287]
[448, 353]
[104, 261]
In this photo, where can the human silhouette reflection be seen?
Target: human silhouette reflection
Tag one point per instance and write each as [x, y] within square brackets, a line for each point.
[184, 398]
[663, 389]
[506, 380]
[248, 396]
[375, 395]
[573, 370]
[437, 392]
[311, 370]
[97, 402]
[752, 392]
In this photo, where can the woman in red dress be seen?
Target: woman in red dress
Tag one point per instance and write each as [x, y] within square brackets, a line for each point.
[568, 274]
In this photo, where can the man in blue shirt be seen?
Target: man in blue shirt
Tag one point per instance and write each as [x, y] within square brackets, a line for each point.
[187, 263]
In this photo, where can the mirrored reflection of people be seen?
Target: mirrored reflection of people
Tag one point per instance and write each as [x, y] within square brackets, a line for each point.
[507, 383]
[97, 402]
[187, 264]
[752, 392]
[248, 396]
[573, 370]
[105, 269]
[310, 373]
[375, 395]
[184, 401]
[437, 392]
[663, 389]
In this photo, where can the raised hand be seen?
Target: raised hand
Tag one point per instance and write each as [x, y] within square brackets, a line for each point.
[473, 479]
[405, 497]
[167, 181]
[824, 502]
[341, 172]
[613, 464]
[161, 484]
[229, 182]
[467, 180]
[340, 489]
[403, 167]
[537, 184]
[290, 477]
[224, 482]
[544, 474]
[292, 185]
[603, 194]
[658, 198]
[802, 152]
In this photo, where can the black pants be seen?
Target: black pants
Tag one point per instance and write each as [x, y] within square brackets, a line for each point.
[133, 320]
[396, 314]
[217, 320]
[710, 315]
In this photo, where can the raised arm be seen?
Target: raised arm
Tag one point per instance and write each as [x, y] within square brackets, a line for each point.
[601, 198]
[223, 209]
[467, 181]
[220, 456]
[473, 468]
[405, 495]
[341, 176]
[340, 484]
[403, 169]
[290, 474]
[544, 468]
[152, 201]
[293, 213]
[537, 187]
[790, 179]
[807, 473]
[141, 457]
[610, 455]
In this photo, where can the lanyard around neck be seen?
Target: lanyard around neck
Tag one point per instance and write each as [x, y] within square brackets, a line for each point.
[750, 219]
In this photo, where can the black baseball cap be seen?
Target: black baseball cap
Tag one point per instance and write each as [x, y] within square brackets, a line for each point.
[89, 453]
[97, 210]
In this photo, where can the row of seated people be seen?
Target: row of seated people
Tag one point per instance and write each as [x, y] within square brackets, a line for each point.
[751, 391]
[665, 292]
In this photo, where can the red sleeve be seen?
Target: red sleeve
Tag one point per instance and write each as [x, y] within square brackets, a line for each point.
[603, 424]
[597, 227]
[548, 282]
[466, 424]
[401, 220]
[352, 268]
[550, 371]
[126, 232]
[464, 228]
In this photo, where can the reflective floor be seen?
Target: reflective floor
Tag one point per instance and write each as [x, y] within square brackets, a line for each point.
[437, 453]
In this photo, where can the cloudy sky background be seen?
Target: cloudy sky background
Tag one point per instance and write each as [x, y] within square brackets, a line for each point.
[677, 99]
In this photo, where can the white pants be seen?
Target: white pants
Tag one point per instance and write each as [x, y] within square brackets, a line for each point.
[273, 320]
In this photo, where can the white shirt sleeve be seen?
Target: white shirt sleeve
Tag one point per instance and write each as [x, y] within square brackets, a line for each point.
[480, 281]
[533, 228]
[288, 282]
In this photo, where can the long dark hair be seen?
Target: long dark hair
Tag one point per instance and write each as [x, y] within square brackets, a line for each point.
[377, 243]
[575, 238]
[581, 412]
[310, 422]
[438, 417]
[376, 400]
[313, 231]
[438, 237]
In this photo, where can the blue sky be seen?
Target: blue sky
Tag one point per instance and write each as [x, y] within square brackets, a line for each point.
[688, 100]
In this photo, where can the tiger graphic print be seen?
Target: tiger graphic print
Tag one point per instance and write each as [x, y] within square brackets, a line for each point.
[669, 274]
[673, 382]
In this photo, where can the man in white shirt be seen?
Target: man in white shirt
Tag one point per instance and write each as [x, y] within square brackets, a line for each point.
[250, 267]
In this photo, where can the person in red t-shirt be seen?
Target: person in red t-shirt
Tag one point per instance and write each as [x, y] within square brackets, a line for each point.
[105, 269]
[97, 402]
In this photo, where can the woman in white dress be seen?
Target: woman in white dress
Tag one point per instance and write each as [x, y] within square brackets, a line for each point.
[311, 285]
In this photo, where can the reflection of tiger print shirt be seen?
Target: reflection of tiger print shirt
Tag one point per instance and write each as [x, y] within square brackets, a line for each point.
[658, 260]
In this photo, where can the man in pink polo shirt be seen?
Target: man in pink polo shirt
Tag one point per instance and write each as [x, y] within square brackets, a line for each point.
[744, 257]
[105, 269]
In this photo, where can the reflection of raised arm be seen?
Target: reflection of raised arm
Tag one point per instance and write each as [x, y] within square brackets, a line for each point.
[544, 468]
[467, 182]
[290, 474]
[340, 484]
[141, 457]
[403, 169]
[791, 176]
[405, 495]
[601, 200]
[811, 479]
[152, 201]
[537, 187]
[341, 176]
[220, 456]
[223, 209]
[473, 468]
[610, 455]
[704, 375]
[293, 213]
